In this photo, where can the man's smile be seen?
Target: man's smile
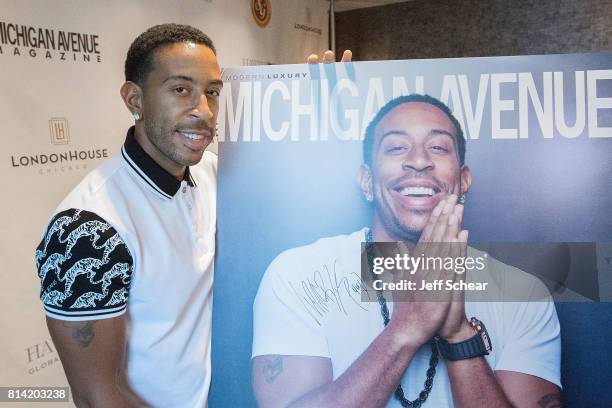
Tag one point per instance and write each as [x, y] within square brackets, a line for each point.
[195, 139]
[414, 193]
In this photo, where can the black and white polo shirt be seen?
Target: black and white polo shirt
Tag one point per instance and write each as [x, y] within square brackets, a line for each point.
[132, 238]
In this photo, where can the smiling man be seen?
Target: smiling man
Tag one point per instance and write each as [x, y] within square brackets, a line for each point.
[406, 191]
[317, 343]
[126, 262]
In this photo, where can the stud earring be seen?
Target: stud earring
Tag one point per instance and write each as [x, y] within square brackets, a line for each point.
[462, 199]
[136, 115]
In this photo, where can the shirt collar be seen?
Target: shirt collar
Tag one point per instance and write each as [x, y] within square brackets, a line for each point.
[152, 173]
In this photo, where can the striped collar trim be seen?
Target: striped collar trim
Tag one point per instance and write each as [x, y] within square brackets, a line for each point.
[152, 173]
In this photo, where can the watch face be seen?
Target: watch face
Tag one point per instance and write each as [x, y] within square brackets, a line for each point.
[482, 331]
[486, 340]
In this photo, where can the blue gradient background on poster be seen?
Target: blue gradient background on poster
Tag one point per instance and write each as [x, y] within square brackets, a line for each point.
[278, 195]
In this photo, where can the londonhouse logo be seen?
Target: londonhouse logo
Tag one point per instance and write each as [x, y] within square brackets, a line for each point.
[59, 161]
[262, 11]
[58, 128]
[48, 44]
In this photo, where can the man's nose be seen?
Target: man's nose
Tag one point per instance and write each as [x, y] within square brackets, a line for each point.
[201, 109]
[418, 159]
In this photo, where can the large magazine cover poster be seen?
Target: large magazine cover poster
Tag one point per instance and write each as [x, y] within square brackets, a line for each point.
[313, 158]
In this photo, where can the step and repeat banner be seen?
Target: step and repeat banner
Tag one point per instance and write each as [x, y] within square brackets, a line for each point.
[61, 69]
[539, 146]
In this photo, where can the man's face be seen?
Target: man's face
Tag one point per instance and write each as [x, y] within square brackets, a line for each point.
[180, 104]
[415, 163]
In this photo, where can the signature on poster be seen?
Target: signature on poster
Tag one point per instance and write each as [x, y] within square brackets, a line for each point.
[325, 289]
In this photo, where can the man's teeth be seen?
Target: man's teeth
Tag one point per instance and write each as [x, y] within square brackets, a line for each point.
[192, 136]
[417, 191]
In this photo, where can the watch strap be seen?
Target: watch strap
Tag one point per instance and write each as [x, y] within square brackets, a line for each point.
[470, 348]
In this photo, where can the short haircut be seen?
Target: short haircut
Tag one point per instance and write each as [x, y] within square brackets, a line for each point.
[139, 60]
[368, 141]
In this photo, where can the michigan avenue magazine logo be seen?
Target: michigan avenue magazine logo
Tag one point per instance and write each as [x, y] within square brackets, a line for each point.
[36, 42]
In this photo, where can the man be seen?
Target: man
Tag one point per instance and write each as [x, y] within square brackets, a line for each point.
[317, 344]
[126, 262]
[137, 235]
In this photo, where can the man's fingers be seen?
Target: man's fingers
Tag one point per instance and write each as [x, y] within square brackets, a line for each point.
[431, 223]
[347, 56]
[444, 220]
[436, 226]
[454, 224]
[439, 244]
[328, 57]
[459, 212]
[463, 236]
[313, 59]
[461, 242]
[460, 251]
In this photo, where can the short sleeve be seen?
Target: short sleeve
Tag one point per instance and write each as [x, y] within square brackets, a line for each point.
[282, 324]
[533, 343]
[84, 268]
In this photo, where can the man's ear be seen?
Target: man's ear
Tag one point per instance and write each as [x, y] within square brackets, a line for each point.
[131, 93]
[365, 182]
[466, 179]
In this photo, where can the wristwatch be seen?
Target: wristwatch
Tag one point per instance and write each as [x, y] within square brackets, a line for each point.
[476, 346]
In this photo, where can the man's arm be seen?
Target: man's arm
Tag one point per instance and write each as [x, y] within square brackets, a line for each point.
[85, 267]
[526, 390]
[92, 353]
[474, 384]
[300, 381]
[280, 381]
[303, 381]
[374, 376]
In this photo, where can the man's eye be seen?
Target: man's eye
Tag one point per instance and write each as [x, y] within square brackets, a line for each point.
[180, 90]
[213, 92]
[395, 149]
[439, 148]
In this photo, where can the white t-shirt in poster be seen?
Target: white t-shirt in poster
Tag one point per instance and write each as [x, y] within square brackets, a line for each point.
[309, 303]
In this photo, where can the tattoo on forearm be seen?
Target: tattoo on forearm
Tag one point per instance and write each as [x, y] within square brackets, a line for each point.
[273, 366]
[82, 332]
[551, 401]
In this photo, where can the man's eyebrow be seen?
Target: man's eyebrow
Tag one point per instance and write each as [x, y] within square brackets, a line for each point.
[390, 133]
[216, 82]
[393, 132]
[177, 77]
[442, 132]
[433, 132]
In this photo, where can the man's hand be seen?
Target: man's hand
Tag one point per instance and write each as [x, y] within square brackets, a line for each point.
[302, 381]
[328, 57]
[421, 314]
[456, 327]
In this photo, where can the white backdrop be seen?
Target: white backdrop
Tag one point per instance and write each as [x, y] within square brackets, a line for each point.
[54, 102]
